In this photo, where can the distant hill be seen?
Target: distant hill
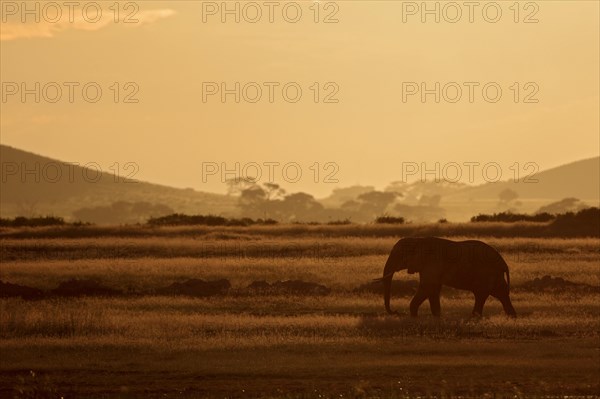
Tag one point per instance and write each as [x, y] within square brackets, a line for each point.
[36, 185]
[459, 201]
[579, 179]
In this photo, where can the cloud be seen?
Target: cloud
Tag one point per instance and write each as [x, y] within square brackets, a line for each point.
[13, 30]
[149, 16]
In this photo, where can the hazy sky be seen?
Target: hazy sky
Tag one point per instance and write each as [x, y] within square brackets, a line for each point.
[370, 56]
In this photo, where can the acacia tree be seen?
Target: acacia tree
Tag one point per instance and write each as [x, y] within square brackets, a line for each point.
[252, 201]
[507, 195]
[258, 201]
[273, 191]
[508, 199]
[301, 207]
[374, 203]
[236, 185]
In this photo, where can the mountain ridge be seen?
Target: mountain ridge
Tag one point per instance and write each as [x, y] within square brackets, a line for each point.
[30, 186]
[50, 186]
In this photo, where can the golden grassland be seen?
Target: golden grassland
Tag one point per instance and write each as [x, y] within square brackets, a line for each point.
[480, 229]
[340, 273]
[246, 345]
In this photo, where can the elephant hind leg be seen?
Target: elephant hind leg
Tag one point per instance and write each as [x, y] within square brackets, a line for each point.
[417, 300]
[501, 293]
[507, 305]
[434, 301]
[480, 299]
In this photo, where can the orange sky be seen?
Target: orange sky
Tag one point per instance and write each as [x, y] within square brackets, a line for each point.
[369, 55]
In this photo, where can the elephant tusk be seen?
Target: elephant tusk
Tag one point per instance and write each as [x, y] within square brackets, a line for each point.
[376, 280]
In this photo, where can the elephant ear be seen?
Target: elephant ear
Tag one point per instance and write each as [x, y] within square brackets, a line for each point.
[412, 259]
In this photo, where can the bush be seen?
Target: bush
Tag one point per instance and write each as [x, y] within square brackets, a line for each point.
[389, 220]
[339, 222]
[509, 217]
[585, 222]
[21, 221]
[180, 219]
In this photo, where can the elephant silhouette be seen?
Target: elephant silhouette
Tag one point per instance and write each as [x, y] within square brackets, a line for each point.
[467, 265]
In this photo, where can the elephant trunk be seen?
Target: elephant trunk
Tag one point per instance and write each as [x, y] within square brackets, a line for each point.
[388, 273]
[391, 266]
[387, 288]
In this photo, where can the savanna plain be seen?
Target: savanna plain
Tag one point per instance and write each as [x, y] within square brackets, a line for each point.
[141, 342]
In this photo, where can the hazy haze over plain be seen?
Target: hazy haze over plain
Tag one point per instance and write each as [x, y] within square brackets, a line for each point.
[369, 53]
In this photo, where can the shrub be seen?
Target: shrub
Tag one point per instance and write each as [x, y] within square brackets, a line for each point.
[339, 222]
[510, 217]
[180, 219]
[585, 222]
[389, 220]
[21, 221]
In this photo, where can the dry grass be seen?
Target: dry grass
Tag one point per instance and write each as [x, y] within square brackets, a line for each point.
[256, 247]
[220, 322]
[283, 230]
[291, 231]
[339, 273]
[286, 346]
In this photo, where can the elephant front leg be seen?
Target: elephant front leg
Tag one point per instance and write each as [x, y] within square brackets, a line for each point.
[434, 302]
[480, 298]
[417, 300]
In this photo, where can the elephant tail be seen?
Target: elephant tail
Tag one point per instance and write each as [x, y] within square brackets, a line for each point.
[504, 267]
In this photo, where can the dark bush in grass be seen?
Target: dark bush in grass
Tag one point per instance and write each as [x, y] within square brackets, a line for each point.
[83, 287]
[389, 220]
[585, 222]
[513, 217]
[197, 288]
[180, 219]
[339, 222]
[8, 290]
[21, 221]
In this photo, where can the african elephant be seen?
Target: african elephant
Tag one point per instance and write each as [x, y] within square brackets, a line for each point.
[467, 265]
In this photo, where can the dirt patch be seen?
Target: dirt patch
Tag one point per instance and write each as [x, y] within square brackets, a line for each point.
[84, 287]
[259, 287]
[399, 288]
[296, 287]
[197, 287]
[556, 284]
[8, 290]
